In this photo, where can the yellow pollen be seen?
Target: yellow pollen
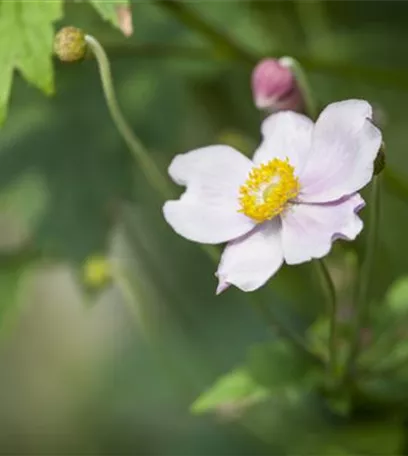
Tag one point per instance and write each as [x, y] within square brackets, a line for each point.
[267, 190]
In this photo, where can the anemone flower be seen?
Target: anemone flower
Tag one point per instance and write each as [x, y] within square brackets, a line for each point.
[297, 195]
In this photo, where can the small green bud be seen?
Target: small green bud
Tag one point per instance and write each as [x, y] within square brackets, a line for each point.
[70, 44]
[379, 163]
[97, 271]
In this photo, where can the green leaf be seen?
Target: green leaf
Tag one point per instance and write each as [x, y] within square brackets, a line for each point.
[397, 295]
[281, 417]
[272, 369]
[278, 365]
[26, 45]
[108, 10]
[235, 388]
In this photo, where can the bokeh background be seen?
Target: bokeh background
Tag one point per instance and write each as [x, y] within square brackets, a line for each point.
[111, 368]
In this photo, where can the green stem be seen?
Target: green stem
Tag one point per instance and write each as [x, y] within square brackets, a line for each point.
[393, 181]
[148, 166]
[330, 292]
[303, 84]
[227, 47]
[382, 77]
[362, 296]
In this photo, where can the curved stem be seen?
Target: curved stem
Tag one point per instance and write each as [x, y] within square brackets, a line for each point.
[148, 166]
[330, 292]
[362, 299]
[152, 173]
[303, 84]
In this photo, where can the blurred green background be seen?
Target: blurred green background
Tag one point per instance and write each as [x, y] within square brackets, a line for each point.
[113, 370]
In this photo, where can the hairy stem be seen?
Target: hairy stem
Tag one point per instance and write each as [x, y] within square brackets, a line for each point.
[303, 84]
[147, 164]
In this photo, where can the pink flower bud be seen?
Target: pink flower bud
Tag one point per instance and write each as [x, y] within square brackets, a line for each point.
[274, 87]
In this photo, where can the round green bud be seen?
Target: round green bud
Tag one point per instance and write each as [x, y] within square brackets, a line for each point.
[70, 44]
[379, 163]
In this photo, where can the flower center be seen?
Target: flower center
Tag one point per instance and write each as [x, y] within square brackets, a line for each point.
[267, 190]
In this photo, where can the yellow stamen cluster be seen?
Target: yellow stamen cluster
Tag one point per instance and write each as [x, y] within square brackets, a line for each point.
[267, 190]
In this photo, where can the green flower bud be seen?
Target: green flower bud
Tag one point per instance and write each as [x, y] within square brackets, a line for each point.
[70, 44]
[379, 163]
[97, 271]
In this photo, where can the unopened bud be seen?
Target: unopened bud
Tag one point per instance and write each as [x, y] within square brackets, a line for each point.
[274, 86]
[70, 44]
[379, 162]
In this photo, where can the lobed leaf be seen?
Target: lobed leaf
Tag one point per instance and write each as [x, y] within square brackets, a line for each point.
[110, 11]
[26, 30]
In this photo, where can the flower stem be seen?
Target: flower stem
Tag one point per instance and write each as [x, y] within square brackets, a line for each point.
[330, 292]
[148, 166]
[152, 172]
[362, 295]
[303, 84]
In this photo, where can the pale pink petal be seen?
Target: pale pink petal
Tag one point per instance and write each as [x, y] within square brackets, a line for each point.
[124, 16]
[248, 262]
[285, 134]
[344, 146]
[208, 211]
[308, 230]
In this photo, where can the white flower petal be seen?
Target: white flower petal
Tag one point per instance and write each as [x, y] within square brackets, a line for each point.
[203, 223]
[308, 230]
[208, 211]
[344, 146]
[248, 262]
[285, 134]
